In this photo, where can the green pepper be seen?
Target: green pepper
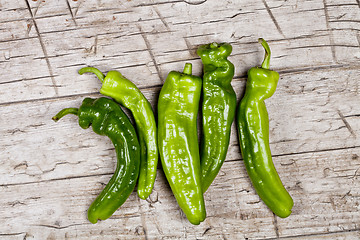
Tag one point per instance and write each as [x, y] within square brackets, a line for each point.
[125, 92]
[178, 107]
[253, 128]
[218, 108]
[107, 118]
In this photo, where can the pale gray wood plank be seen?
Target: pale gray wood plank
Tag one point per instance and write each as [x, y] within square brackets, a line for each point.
[326, 199]
[310, 111]
[57, 150]
[115, 43]
[344, 235]
[314, 115]
[334, 173]
[58, 207]
[25, 74]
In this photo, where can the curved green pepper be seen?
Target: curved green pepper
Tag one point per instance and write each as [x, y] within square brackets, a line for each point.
[107, 118]
[178, 142]
[253, 128]
[128, 95]
[218, 108]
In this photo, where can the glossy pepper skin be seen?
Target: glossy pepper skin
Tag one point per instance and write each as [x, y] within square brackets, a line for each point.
[253, 128]
[125, 92]
[218, 108]
[107, 118]
[178, 107]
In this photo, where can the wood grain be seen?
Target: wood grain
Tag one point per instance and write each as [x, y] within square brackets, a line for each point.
[50, 172]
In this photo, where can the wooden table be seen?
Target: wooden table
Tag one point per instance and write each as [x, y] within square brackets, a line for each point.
[51, 172]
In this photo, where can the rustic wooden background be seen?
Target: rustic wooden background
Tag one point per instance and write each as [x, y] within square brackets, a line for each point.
[51, 172]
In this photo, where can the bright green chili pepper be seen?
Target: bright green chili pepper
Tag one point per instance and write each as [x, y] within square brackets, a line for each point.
[128, 95]
[253, 128]
[178, 107]
[218, 108]
[107, 118]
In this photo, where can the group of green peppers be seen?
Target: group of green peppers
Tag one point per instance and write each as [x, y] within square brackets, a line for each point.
[189, 169]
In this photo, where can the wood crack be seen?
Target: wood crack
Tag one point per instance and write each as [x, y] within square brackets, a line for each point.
[316, 234]
[331, 37]
[182, 23]
[345, 20]
[190, 48]
[316, 151]
[346, 123]
[143, 222]
[162, 19]
[25, 79]
[60, 227]
[358, 38]
[125, 217]
[64, 30]
[148, 46]
[15, 9]
[77, 9]
[71, 13]
[37, 8]
[122, 12]
[310, 10]
[239, 14]
[276, 227]
[300, 153]
[44, 50]
[11, 234]
[273, 18]
[57, 55]
[325, 45]
[51, 98]
[158, 3]
[100, 10]
[206, 230]
[56, 179]
[358, 2]
[72, 65]
[307, 69]
[353, 115]
[14, 20]
[343, 4]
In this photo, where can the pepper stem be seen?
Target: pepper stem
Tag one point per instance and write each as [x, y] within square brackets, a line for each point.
[96, 71]
[188, 69]
[214, 45]
[64, 112]
[266, 62]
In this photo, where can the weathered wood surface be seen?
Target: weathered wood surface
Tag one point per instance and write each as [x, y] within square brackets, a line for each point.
[50, 173]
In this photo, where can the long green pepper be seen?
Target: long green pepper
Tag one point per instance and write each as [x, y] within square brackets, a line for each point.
[107, 118]
[218, 108]
[178, 107]
[253, 128]
[125, 92]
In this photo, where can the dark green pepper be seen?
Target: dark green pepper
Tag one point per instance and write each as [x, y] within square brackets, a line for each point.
[178, 142]
[253, 128]
[218, 108]
[107, 118]
[128, 95]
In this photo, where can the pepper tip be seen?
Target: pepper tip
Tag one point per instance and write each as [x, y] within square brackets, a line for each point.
[188, 69]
